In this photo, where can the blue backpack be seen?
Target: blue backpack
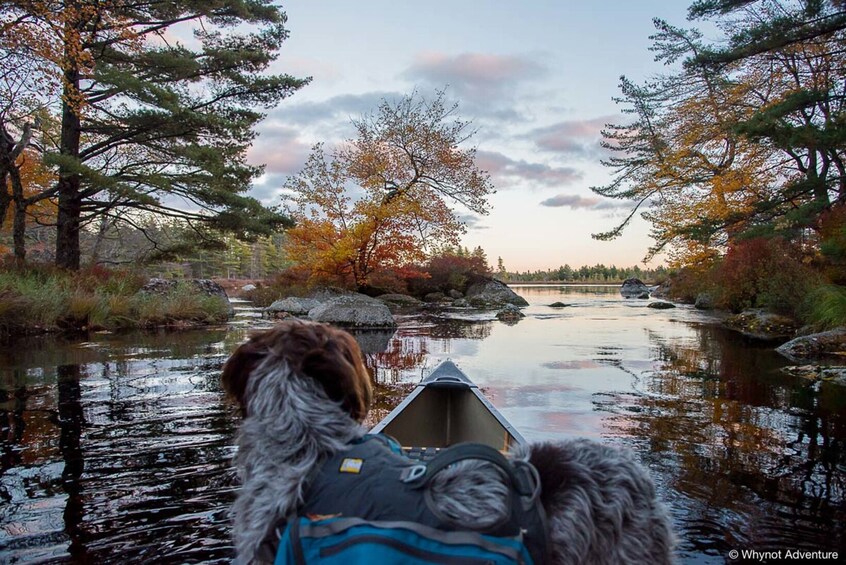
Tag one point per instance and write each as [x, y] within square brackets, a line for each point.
[349, 541]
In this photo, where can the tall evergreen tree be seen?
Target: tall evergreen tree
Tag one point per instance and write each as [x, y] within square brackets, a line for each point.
[152, 123]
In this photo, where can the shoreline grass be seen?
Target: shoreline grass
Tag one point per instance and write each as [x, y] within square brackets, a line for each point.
[39, 300]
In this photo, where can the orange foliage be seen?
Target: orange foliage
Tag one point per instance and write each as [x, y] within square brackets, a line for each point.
[36, 179]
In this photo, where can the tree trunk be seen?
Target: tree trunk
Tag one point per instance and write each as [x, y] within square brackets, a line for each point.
[105, 222]
[70, 201]
[5, 199]
[19, 223]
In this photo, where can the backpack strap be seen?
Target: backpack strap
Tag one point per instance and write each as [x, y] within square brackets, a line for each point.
[526, 483]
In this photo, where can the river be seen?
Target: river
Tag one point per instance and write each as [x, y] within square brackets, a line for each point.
[117, 448]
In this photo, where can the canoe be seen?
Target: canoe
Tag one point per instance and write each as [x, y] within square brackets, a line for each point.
[447, 408]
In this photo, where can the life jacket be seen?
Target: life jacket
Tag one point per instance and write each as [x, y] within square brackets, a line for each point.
[374, 481]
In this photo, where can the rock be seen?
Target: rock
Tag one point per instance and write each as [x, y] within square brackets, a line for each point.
[558, 305]
[434, 297]
[354, 310]
[833, 374]
[643, 295]
[292, 305]
[324, 293]
[510, 313]
[660, 305]
[762, 325]
[704, 301]
[399, 302]
[662, 290]
[248, 287]
[455, 294]
[158, 286]
[812, 346]
[204, 286]
[461, 303]
[493, 293]
[634, 288]
[399, 299]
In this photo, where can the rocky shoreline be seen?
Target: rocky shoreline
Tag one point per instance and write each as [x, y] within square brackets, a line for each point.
[817, 355]
[359, 311]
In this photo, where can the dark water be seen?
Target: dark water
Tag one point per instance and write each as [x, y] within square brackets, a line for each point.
[118, 448]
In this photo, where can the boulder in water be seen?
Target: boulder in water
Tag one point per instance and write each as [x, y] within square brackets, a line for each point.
[492, 293]
[356, 310]
[832, 342]
[762, 325]
[634, 288]
[292, 305]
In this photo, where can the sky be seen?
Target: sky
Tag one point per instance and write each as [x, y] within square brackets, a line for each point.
[537, 79]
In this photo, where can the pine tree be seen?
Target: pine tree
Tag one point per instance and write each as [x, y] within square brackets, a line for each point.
[147, 121]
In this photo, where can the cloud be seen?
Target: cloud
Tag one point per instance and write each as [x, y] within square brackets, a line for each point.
[576, 202]
[574, 138]
[472, 222]
[506, 171]
[279, 148]
[486, 84]
[341, 108]
[474, 74]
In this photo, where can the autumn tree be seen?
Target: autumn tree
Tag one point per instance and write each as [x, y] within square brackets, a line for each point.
[718, 151]
[151, 123]
[382, 199]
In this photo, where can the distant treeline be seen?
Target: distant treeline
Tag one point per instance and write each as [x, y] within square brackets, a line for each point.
[595, 274]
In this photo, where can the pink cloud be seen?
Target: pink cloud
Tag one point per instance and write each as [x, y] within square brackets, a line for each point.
[573, 137]
[279, 149]
[505, 171]
[474, 75]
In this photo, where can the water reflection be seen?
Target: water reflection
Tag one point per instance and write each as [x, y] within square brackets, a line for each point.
[754, 458]
[117, 454]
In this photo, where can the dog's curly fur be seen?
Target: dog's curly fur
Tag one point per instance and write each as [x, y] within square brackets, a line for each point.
[304, 391]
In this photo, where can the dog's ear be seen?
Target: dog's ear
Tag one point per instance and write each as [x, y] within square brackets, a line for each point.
[239, 366]
[338, 367]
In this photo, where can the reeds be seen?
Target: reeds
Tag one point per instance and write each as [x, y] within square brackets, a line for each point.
[34, 300]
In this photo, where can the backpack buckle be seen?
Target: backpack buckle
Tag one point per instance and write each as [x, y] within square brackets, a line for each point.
[413, 473]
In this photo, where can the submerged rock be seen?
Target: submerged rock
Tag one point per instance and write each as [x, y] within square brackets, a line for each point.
[558, 305]
[492, 293]
[634, 288]
[762, 325]
[835, 374]
[661, 305]
[832, 342]
[510, 313]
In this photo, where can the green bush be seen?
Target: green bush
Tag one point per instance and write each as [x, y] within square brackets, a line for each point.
[825, 307]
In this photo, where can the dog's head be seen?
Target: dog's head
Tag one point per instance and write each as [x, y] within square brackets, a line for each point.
[320, 352]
